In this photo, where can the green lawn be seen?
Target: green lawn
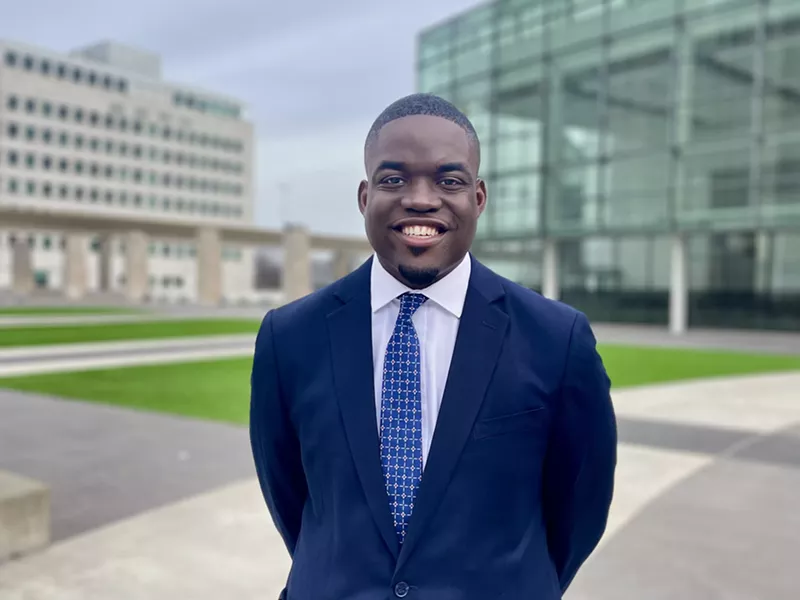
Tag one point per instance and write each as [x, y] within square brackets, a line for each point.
[140, 330]
[63, 311]
[219, 389]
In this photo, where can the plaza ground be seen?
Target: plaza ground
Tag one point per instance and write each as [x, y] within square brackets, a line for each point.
[151, 506]
[154, 494]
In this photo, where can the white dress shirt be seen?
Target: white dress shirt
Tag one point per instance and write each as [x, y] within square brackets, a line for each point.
[436, 323]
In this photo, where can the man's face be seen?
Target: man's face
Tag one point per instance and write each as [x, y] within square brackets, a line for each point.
[423, 198]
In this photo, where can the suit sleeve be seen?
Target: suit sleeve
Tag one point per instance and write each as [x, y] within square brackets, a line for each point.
[581, 458]
[276, 449]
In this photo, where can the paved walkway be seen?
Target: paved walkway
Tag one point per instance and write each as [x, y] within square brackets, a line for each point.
[29, 360]
[705, 507]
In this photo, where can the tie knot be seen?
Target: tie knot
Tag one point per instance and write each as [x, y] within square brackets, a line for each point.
[409, 303]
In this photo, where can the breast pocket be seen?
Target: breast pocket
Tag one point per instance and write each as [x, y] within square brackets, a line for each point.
[526, 421]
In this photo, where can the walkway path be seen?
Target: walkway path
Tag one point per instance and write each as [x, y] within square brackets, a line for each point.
[708, 477]
[28, 360]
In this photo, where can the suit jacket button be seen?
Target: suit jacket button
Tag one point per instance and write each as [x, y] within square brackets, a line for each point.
[401, 589]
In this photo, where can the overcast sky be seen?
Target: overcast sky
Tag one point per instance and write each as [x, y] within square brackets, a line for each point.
[313, 73]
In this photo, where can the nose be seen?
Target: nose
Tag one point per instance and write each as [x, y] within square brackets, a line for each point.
[422, 197]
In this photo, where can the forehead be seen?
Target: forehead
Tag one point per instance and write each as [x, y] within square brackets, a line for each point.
[421, 140]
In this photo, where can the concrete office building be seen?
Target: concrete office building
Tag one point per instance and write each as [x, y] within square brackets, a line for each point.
[99, 132]
[642, 156]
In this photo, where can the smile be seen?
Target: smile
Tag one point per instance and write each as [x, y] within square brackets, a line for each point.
[419, 235]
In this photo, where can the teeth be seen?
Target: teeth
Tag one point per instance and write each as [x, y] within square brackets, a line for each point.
[419, 231]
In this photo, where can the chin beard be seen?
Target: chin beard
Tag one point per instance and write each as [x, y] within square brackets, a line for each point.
[418, 278]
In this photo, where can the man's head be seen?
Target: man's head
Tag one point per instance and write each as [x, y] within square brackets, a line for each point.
[422, 197]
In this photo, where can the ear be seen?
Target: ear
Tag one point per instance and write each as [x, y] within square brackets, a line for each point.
[362, 196]
[480, 195]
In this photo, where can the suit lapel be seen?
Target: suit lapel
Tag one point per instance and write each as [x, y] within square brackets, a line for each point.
[480, 338]
[350, 328]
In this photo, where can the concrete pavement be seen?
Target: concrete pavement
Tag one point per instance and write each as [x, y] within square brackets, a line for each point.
[705, 508]
[30, 360]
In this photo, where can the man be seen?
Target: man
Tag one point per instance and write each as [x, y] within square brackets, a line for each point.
[424, 428]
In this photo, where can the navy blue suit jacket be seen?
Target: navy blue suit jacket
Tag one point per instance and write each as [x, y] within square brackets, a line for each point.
[519, 478]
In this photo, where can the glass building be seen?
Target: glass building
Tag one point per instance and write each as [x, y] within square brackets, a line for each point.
[642, 156]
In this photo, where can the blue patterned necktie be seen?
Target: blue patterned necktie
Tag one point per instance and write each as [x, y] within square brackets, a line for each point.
[401, 415]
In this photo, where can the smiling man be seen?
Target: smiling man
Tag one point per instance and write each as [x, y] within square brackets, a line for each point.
[424, 428]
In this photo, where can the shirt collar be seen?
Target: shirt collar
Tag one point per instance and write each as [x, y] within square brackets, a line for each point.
[449, 292]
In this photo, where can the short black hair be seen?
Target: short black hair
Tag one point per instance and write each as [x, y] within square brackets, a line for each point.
[423, 104]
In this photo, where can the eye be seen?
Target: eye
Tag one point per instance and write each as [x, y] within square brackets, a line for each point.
[451, 182]
[392, 180]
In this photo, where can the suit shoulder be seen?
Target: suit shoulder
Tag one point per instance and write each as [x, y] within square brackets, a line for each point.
[525, 300]
[303, 311]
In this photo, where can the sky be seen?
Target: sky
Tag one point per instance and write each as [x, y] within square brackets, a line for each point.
[313, 74]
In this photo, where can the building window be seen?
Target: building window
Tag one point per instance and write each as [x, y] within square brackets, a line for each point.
[137, 152]
[12, 103]
[13, 130]
[30, 161]
[63, 138]
[109, 197]
[109, 146]
[166, 157]
[61, 71]
[63, 165]
[77, 75]
[79, 141]
[137, 200]
[94, 195]
[123, 149]
[30, 187]
[78, 115]
[109, 171]
[44, 67]
[137, 175]
[94, 118]
[63, 112]
[47, 136]
[123, 198]
[13, 158]
[27, 63]
[94, 169]
[47, 163]
[153, 129]
[47, 109]
[79, 194]
[30, 133]
[122, 86]
[137, 127]
[63, 191]
[13, 186]
[166, 204]
[123, 124]
[94, 144]
[47, 190]
[107, 82]
[30, 105]
[109, 121]
[92, 78]
[11, 59]
[78, 167]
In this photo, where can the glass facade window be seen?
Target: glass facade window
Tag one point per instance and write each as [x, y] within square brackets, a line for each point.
[609, 129]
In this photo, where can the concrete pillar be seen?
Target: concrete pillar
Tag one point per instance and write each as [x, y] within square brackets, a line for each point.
[297, 262]
[550, 278]
[342, 261]
[105, 254]
[209, 267]
[678, 287]
[76, 253]
[136, 272]
[22, 281]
